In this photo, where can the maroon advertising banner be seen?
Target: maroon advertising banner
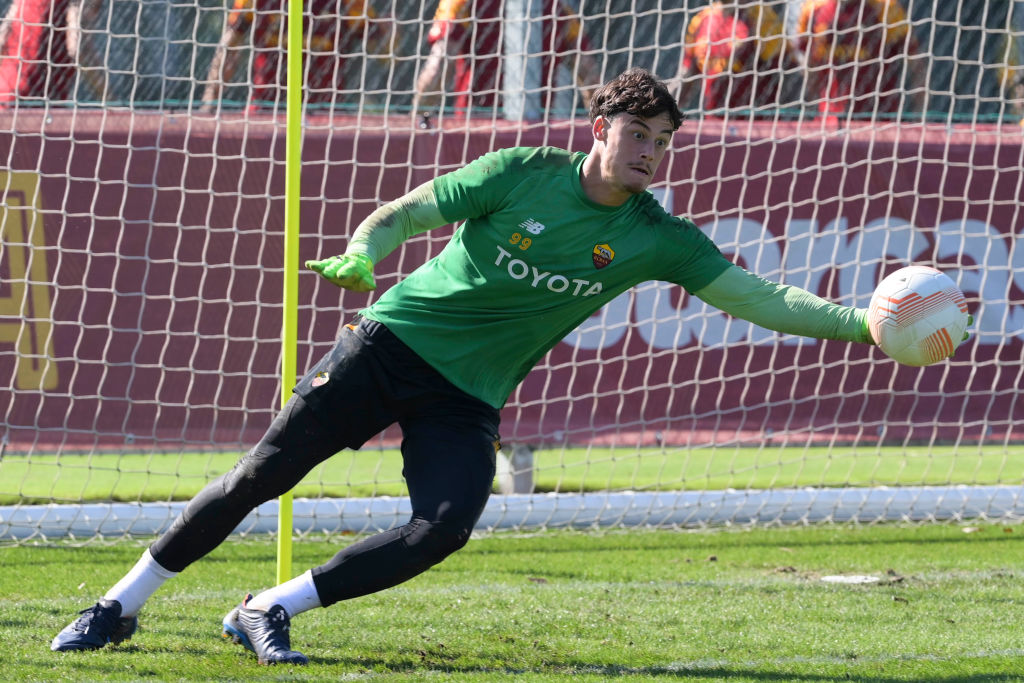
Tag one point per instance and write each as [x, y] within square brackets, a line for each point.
[140, 278]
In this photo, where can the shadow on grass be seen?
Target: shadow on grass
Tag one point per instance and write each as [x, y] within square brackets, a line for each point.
[831, 535]
[226, 661]
[712, 671]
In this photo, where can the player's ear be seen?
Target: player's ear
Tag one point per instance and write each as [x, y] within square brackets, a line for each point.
[600, 128]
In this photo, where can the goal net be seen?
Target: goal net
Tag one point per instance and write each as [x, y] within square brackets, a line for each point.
[142, 176]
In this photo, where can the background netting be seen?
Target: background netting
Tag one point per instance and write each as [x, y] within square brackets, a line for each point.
[142, 257]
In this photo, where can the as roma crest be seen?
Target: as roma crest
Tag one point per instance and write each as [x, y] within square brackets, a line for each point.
[603, 255]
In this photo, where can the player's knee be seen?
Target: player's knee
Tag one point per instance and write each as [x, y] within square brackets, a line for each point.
[247, 483]
[437, 540]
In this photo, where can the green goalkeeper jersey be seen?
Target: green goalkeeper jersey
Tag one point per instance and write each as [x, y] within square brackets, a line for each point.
[533, 259]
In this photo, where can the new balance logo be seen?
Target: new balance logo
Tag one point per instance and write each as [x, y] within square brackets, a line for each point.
[534, 227]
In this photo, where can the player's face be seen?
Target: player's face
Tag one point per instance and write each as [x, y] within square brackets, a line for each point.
[632, 150]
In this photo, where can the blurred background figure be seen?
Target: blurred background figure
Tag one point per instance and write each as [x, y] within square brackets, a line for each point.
[857, 54]
[527, 56]
[335, 31]
[465, 43]
[42, 50]
[736, 54]
[1011, 69]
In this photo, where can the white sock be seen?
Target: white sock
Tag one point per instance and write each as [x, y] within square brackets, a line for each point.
[142, 581]
[296, 596]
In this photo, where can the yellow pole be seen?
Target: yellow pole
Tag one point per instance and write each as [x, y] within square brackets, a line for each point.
[289, 315]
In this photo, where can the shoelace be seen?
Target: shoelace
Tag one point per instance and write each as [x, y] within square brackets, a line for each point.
[276, 626]
[94, 615]
[279, 617]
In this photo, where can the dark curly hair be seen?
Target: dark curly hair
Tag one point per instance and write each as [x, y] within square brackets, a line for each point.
[637, 92]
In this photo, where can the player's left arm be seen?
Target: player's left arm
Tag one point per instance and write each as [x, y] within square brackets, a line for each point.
[784, 308]
[380, 234]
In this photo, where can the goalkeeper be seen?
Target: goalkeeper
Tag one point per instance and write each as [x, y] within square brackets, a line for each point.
[548, 237]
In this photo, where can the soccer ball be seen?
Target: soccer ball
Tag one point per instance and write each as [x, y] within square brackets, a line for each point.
[918, 316]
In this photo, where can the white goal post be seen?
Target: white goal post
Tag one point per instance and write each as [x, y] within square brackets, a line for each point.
[141, 259]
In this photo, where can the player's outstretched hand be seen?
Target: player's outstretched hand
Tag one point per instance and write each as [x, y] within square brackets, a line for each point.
[967, 332]
[351, 271]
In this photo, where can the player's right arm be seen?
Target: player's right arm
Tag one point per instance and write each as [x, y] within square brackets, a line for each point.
[476, 189]
[377, 236]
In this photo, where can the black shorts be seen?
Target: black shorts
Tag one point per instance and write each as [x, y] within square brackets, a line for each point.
[371, 380]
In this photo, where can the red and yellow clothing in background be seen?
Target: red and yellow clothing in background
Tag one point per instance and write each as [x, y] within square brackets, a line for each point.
[333, 29]
[34, 58]
[740, 51]
[856, 54]
[473, 29]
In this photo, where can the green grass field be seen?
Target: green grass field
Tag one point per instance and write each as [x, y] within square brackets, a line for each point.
[178, 476]
[726, 605]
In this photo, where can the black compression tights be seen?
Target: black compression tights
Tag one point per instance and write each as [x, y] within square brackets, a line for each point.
[292, 446]
[449, 477]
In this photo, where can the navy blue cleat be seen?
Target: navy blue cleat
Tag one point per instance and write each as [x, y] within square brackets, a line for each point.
[95, 627]
[265, 633]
